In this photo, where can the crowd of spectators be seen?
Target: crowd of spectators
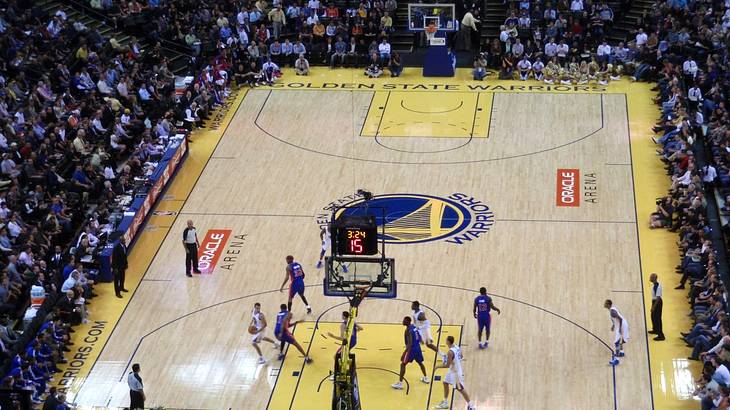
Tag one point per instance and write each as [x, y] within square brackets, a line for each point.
[561, 34]
[253, 39]
[682, 47]
[564, 42]
[83, 121]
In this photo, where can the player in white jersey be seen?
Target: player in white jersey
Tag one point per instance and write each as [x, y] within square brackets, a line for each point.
[620, 329]
[524, 67]
[326, 238]
[454, 376]
[424, 326]
[258, 320]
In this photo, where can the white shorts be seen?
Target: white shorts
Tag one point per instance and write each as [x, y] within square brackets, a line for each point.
[326, 245]
[426, 335]
[622, 335]
[452, 379]
[256, 337]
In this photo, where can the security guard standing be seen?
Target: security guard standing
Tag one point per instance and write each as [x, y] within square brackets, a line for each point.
[136, 389]
[656, 308]
[191, 244]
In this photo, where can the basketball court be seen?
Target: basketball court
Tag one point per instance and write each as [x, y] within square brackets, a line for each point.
[532, 191]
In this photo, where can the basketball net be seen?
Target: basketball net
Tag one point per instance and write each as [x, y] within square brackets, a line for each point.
[430, 32]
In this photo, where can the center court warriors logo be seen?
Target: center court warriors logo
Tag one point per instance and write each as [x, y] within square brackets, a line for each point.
[417, 218]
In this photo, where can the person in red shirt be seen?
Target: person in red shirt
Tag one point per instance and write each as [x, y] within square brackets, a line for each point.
[332, 11]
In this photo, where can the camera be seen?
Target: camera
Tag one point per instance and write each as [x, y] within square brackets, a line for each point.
[365, 194]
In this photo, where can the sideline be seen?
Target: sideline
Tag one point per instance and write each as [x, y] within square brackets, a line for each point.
[671, 373]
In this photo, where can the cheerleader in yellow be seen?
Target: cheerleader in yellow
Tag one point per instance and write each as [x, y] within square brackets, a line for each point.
[551, 71]
[615, 71]
[564, 73]
[583, 73]
[574, 70]
[593, 69]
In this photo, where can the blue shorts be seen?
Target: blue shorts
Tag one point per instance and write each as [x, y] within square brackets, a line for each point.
[296, 288]
[411, 355]
[484, 323]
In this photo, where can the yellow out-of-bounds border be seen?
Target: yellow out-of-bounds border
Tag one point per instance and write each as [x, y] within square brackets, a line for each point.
[379, 347]
[671, 372]
[90, 338]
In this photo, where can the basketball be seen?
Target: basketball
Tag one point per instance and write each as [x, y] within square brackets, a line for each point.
[252, 329]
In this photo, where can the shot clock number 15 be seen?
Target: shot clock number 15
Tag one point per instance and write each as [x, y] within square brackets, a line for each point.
[357, 241]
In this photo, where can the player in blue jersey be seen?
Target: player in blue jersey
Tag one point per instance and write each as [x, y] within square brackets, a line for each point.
[482, 306]
[295, 274]
[282, 333]
[412, 352]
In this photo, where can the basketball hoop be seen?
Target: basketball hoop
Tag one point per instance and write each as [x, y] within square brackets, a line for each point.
[350, 276]
[362, 290]
[359, 293]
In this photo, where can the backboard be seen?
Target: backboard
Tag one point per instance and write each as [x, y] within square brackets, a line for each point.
[439, 16]
[344, 275]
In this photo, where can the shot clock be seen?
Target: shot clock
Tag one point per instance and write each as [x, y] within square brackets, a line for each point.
[357, 241]
[355, 235]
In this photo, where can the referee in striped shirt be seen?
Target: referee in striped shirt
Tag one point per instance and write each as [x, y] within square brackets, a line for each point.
[191, 244]
[656, 308]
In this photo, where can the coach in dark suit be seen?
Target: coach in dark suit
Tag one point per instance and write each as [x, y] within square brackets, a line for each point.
[55, 262]
[119, 266]
[67, 309]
